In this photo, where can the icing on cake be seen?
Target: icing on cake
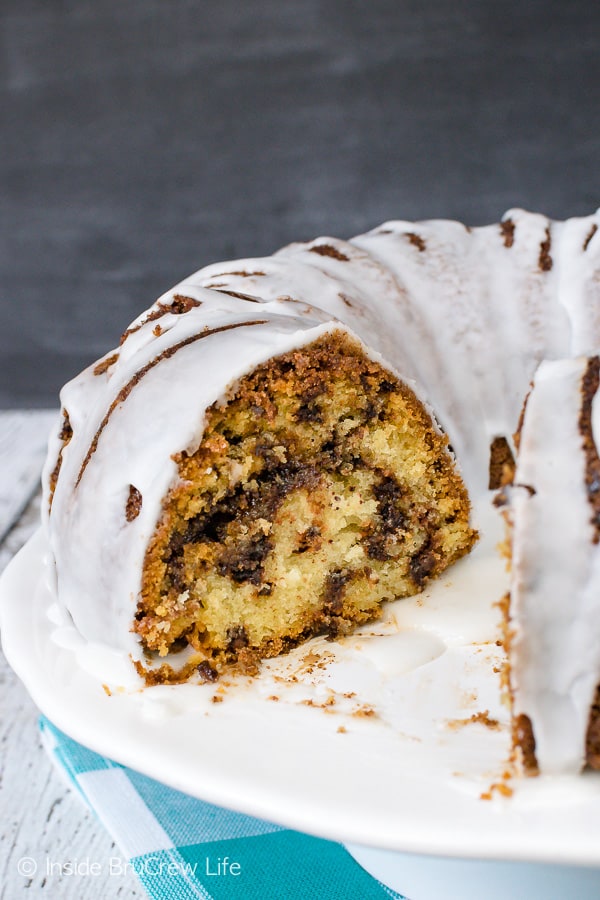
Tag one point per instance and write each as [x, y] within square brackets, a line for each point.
[555, 589]
[466, 316]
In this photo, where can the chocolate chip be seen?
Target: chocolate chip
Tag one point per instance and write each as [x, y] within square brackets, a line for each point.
[375, 545]
[309, 412]
[422, 564]
[237, 638]
[390, 498]
[335, 583]
[66, 431]
[206, 671]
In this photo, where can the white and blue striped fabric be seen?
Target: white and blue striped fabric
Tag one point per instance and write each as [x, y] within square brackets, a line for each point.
[183, 849]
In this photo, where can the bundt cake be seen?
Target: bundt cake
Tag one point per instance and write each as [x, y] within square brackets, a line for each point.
[239, 476]
[279, 445]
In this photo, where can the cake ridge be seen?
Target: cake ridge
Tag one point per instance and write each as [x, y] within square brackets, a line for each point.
[468, 319]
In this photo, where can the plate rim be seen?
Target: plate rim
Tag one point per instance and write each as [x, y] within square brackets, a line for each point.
[23, 572]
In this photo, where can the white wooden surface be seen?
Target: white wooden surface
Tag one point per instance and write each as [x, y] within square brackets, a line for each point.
[23, 438]
[43, 823]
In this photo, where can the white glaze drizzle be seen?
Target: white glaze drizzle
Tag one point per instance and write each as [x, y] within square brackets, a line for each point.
[555, 589]
[466, 314]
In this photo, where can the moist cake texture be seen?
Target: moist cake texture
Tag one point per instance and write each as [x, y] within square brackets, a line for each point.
[320, 489]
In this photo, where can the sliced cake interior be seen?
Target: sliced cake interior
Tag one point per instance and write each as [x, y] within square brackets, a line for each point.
[321, 488]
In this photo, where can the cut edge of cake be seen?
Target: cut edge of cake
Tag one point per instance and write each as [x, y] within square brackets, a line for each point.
[322, 487]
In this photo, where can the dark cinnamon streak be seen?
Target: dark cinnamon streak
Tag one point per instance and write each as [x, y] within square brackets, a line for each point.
[526, 487]
[586, 243]
[65, 434]
[517, 434]
[105, 364]
[240, 273]
[180, 305]
[545, 260]
[589, 387]
[237, 294]
[416, 240]
[127, 388]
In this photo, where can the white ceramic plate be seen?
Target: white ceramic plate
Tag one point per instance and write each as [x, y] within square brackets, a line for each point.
[387, 738]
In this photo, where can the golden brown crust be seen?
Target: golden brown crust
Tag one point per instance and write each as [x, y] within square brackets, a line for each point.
[589, 388]
[181, 304]
[517, 434]
[502, 464]
[592, 743]
[523, 740]
[545, 260]
[127, 388]
[237, 294]
[65, 435]
[589, 237]
[328, 250]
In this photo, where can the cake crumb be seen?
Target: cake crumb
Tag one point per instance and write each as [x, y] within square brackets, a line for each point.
[502, 785]
[498, 787]
[325, 705]
[364, 712]
[134, 504]
[481, 718]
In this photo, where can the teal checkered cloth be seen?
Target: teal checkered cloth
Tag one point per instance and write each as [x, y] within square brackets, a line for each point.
[183, 849]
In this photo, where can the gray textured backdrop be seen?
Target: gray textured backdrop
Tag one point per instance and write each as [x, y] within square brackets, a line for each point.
[143, 139]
